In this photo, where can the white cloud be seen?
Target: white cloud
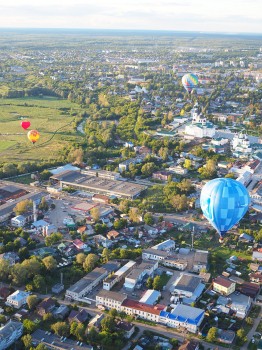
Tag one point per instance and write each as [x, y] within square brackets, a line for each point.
[223, 15]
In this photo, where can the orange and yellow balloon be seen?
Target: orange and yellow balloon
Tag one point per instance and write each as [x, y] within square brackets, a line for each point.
[33, 135]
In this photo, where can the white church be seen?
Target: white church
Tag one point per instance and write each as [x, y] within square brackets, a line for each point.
[199, 127]
[241, 146]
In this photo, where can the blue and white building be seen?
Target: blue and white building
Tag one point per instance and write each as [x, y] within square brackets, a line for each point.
[183, 316]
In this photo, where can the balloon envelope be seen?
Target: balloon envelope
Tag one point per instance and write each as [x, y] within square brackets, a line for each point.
[189, 81]
[33, 135]
[224, 202]
[25, 124]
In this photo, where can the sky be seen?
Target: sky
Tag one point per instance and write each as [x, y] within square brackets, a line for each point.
[230, 16]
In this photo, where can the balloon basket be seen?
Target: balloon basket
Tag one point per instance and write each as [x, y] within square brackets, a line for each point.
[221, 240]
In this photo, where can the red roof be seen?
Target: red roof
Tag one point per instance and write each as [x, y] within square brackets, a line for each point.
[78, 243]
[132, 304]
[222, 281]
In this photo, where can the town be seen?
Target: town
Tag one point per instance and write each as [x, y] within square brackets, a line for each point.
[103, 241]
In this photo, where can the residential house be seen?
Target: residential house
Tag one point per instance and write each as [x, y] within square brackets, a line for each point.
[17, 299]
[80, 245]
[127, 327]
[112, 234]
[46, 306]
[58, 288]
[11, 257]
[9, 333]
[257, 254]
[223, 285]
[240, 304]
[162, 175]
[18, 221]
[96, 321]
[249, 289]
[80, 316]
[61, 312]
[256, 277]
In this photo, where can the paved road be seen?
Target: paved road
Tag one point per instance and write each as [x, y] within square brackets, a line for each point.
[253, 329]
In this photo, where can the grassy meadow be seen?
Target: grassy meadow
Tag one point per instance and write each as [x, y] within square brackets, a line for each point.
[46, 115]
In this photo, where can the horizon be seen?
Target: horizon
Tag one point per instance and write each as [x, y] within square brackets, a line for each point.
[227, 33]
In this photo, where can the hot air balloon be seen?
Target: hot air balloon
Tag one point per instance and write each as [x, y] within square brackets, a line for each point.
[189, 81]
[25, 124]
[33, 135]
[224, 202]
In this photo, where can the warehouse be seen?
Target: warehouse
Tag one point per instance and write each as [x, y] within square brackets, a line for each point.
[94, 184]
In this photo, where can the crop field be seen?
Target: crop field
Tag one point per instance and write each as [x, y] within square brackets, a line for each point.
[46, 115]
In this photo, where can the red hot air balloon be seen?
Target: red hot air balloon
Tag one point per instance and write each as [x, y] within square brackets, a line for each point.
[25, 124]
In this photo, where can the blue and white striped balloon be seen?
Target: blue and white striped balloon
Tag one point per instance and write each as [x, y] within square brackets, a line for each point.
[224, 202]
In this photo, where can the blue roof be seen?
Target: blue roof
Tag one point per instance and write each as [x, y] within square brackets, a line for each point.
[184, 313]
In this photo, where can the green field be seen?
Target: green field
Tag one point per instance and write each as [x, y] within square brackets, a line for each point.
[46, 115]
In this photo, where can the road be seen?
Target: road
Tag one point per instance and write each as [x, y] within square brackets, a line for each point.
[253, 329]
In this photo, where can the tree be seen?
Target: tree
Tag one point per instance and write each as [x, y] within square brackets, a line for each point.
[241, 334]
[50, 263]
[179, 202]
[113, 313]
[212, 334]
[124, 206]
[148, 169]
[122, 315]
[108, 324]
[33, 266]
[105, 255]
[149, 283]
[41, 346]
[53, 238]
[27, 340]
[31, 301]
[187, 164]
[80, 258]
[5, 269]
[148, 218]
[95, 213]
[134, 215]
[43, 205]
[93, 335]
[73, 327]
[249, 320]
[39, 282]
[90, 262]
[23, 206]
[157, 285]
[80, 332]
[29, 326]
[209, 170]
[19, 274]
[60, 328]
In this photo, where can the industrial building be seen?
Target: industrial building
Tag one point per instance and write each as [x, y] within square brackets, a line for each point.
[99, 185]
